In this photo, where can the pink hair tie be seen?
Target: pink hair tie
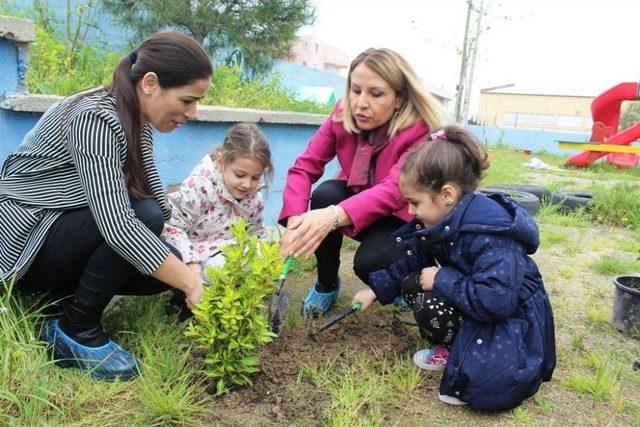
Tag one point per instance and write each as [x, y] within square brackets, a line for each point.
[439, 135]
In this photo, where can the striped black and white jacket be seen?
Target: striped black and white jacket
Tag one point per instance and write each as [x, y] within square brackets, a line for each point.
[74, 157]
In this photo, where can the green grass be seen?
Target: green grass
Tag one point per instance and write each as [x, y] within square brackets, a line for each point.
[553, 215]
[360, 389]
[617, 205]
[601, 382]
[522, 416]
[552, 236]
[611, 264]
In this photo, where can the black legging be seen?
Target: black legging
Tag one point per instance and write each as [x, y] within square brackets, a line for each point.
[376, 250]
[75, 260]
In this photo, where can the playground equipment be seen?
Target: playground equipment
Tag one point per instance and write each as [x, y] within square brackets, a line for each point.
[605, 111]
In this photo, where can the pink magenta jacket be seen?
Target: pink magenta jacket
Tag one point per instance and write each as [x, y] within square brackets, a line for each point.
[332, 140]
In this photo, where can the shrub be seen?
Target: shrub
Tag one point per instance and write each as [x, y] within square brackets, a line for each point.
[230, 321]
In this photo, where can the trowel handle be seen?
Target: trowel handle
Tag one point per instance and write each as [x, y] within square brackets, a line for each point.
[286, 267]
[283, 273]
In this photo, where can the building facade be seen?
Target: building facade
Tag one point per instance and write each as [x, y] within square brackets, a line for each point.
[310, 52]
[519, 108]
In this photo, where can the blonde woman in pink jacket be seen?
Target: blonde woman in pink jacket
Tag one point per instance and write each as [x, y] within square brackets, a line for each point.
[385, 113]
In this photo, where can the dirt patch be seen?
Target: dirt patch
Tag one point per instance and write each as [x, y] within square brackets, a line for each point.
[279, 396]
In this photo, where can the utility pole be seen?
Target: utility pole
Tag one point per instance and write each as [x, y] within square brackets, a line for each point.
[473, 54]
[463, 65]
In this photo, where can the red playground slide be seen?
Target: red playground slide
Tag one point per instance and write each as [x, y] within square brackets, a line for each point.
[605, 111]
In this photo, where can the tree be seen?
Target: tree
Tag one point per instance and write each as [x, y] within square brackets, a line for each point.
[630, 116]
[249, 33]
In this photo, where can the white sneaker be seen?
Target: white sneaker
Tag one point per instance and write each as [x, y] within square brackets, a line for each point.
[433, 359]
[450, 400]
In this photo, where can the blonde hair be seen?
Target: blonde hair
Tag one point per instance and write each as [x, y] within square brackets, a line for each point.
[417, 102]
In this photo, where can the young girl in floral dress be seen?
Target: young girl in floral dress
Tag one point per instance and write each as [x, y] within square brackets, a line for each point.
[223, 187]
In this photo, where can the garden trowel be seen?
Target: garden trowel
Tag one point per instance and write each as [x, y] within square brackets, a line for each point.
[279, 301]
[354, 309]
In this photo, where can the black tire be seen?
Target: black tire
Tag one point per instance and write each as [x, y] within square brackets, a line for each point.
[572, 200]
[527, 200]
[543, 194]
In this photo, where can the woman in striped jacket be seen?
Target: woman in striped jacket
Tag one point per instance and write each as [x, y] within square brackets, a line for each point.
[82, 206]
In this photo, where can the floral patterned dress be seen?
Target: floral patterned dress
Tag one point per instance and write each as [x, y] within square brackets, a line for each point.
[203, 210]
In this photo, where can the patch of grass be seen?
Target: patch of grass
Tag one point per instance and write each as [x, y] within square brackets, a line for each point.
[554, 215]
[617, 205]
[302, 267]
[603, 383]
[610, 264]
[26, 393]
[292, 318]
[360, 389]
[522, 416]
[506, 166]
[631, 244]
[550, 237]
[543, 405]
[577, 341]
[566, 272]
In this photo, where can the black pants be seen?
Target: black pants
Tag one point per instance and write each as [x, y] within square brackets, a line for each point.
[75, 260]
[376, 250]
[438, 321]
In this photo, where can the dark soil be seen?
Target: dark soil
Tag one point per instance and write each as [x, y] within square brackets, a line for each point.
[280, 397]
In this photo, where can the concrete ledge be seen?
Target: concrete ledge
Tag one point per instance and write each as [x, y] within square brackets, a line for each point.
[206, 113]
[17, 29]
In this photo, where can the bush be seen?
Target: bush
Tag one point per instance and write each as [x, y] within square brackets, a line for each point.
[231, 89]
[230, 321]
[55, 68]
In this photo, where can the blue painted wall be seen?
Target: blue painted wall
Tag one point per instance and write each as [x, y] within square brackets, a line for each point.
[178, 152]
[294, 76]
[535, 140]
[8, 67]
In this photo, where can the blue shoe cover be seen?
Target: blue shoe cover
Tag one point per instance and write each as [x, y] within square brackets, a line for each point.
[108, 362]
[401, 304]
[318, 303]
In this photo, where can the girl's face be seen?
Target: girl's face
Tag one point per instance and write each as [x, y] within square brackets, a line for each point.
[428, 207]
[241, 176]
[371, 99]
[168, 109]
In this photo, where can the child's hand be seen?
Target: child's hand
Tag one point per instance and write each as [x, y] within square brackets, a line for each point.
[427, 277]
[366, 297]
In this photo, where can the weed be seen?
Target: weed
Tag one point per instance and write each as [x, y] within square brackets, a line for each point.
[577, 342]
[566, 272]
[522, 416]
[550, 237]
[603, 383]
[610, 264]
[543, 404]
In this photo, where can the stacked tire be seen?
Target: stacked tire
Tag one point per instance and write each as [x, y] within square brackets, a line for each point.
[531, 196]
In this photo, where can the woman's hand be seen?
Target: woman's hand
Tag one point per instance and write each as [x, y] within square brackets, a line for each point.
[366, 297]
[305, 232]
[181, 276]
[427, 278]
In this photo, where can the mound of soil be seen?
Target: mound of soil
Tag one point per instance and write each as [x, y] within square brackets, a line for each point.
[279, 397]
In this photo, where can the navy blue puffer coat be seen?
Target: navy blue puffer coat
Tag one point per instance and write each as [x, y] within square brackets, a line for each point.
[506, 345]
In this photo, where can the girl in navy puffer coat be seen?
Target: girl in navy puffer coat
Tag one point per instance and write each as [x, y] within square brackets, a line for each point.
[475, 292]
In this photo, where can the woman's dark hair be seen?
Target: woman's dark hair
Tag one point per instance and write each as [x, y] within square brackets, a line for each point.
[177, 60]
[247, 140]
[452, 155]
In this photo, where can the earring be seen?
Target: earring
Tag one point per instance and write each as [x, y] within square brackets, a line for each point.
[147, 91]
[396, 114]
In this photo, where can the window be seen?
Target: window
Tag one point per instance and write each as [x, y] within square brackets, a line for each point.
[317, 47]
[569, 121]
[514, 118]
[542, 119]
[304, 63]
[305, 45]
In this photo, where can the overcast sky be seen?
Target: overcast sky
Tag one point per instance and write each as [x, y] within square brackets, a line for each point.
[588, 45]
